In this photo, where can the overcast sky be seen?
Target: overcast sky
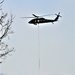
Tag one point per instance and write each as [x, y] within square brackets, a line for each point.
[56, 41]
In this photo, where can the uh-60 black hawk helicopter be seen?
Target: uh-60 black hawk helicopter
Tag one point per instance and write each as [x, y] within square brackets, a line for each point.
[39, 19]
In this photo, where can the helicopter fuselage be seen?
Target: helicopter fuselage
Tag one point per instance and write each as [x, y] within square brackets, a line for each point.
[40, 20]
[36, 21]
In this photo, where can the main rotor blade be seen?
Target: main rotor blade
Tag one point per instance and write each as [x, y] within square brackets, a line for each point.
[27, 17]
[46, 15]
[35, 15]
[42, 15]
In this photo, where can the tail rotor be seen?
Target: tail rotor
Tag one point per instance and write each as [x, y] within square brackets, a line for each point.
[58, 14]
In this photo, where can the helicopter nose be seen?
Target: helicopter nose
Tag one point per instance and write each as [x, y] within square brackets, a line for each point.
[29, 22]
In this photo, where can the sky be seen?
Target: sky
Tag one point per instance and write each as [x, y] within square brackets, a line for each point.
[56, 41]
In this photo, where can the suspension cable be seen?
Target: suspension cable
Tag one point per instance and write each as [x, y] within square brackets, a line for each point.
[39, 49]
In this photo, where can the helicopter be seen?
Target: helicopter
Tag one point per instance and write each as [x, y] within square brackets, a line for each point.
[39, 19]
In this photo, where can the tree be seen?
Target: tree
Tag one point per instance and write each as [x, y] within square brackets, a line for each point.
[5, 30]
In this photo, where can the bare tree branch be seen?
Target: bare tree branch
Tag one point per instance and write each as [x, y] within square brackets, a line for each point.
[3, 46]
[6, 52]
[1, 1]
[5, 30]
[6, 26]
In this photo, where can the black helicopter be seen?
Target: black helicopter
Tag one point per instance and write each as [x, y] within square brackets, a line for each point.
[40, 19]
